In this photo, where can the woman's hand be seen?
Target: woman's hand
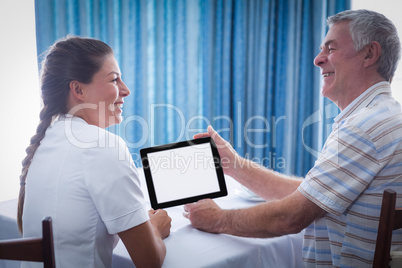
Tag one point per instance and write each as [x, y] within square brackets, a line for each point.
[144, 242]
[161, 221]
[230, 160]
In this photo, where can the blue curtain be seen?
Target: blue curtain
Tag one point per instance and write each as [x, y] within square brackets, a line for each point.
[243, 66]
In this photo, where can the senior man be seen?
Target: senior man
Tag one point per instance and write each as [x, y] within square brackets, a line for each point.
[338, 202]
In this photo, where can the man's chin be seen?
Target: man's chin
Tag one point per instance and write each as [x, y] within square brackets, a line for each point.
[325, 91]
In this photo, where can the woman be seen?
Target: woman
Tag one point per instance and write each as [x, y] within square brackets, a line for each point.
[80, 174]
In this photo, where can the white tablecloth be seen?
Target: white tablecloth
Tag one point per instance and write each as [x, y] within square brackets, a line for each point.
[189, 247]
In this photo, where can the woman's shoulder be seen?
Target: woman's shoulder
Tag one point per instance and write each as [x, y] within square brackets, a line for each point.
[85, 136]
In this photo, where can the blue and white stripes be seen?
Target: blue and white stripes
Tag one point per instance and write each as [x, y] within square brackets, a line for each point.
[361, 158]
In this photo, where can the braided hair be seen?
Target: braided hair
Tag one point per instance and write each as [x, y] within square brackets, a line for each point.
[69, 59]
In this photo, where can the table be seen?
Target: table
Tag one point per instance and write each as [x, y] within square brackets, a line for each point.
[189, 247]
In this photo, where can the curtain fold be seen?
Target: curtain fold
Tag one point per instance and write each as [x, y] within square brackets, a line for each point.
[245, 67]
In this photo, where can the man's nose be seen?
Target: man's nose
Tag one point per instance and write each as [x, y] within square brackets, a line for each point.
[320, 59]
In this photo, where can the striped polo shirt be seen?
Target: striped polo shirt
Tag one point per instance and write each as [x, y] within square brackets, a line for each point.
[360, 159]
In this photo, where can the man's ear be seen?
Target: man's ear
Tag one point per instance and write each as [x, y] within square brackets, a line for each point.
[76, 90]
[373, 53]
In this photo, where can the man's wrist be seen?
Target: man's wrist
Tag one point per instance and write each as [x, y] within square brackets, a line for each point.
[225, 222]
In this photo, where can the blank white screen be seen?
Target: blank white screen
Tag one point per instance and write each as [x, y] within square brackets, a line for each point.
[183, 172]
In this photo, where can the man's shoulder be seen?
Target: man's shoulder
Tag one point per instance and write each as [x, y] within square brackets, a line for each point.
[380, 122]
[382, 111]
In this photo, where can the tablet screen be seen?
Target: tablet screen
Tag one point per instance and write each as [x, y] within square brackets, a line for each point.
[183, 172]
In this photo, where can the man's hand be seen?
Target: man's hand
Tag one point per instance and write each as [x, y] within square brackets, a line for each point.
[229, 158]
[205, 215]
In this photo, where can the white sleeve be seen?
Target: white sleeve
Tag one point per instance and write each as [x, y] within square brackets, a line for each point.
[114, 186]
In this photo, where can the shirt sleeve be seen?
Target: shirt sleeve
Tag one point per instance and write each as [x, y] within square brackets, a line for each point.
[345, 168]
[114, 186]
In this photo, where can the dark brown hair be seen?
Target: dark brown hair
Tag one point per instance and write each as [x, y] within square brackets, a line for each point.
[69, 59]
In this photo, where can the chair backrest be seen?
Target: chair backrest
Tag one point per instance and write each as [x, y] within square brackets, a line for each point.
[390, 219]
[39, 249]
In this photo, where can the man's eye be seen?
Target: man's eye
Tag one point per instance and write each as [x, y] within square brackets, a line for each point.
[115, 80]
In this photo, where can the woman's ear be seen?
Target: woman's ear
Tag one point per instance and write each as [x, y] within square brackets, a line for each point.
[373, 53]
[76, 90]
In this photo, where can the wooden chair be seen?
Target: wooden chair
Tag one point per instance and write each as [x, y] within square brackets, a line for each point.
[390, 219]
[31, 249]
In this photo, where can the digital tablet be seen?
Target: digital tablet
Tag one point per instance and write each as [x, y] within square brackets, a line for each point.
[183, 172]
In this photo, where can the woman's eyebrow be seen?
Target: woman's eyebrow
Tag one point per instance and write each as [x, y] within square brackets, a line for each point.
[114, 72]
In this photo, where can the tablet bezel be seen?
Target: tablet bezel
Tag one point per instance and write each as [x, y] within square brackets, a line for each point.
[148, 176]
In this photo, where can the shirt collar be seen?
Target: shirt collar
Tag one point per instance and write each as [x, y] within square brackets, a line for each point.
[364, 99]
[69, 117]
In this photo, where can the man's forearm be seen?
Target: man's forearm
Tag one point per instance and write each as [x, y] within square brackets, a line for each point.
[266, 183]
[264, 220]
